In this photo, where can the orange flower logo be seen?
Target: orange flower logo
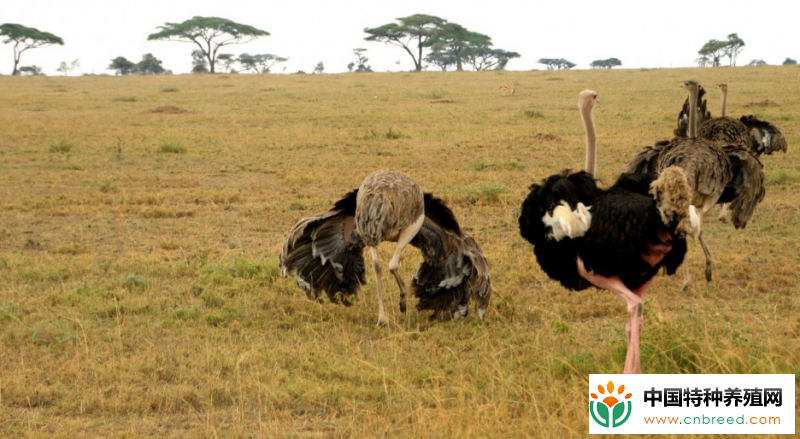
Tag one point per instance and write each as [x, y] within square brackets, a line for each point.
[610, 411]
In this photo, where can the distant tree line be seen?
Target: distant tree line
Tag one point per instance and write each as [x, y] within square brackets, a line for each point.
[605, 63]
[425, 38]
[149, 65]
[258, 63]
[556, 63]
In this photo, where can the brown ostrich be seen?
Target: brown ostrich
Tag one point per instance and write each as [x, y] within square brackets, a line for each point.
[747, 133]
[325, 251]
[716, 172]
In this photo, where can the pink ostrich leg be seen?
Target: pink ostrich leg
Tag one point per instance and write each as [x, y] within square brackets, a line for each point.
[635, 303]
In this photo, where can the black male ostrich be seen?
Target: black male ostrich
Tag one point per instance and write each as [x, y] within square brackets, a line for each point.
[325, 251]
[616, 239]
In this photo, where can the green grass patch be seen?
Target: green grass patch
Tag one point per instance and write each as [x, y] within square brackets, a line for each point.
[171, 147]
[61, 146]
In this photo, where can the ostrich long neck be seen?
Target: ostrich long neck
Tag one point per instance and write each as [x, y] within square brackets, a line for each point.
[591, 139]
[724, 101]
[692, 132]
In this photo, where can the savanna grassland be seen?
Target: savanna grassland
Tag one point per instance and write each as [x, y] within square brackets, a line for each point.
[141, 220]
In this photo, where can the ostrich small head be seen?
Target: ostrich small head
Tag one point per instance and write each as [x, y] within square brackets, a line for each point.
[722, 87]
[587, 99]
[690, 85]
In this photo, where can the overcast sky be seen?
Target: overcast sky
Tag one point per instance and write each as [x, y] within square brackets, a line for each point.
[652, 33]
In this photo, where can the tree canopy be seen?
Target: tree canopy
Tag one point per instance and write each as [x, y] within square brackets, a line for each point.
[26, 38]
[122, 66]
[605, 63]
[414, 29]
[556, 63]
[733, 47]
[361, 62]
[456, 40]
[150, 65]
[199, 62]
[209, 33]
[259, 63]
[713, 51]
[790, 62]
[453, 44]
[66, 67]
[32, 70]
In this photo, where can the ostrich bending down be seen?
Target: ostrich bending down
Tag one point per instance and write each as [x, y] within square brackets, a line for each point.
[325, 251]
[616, 239]
[717, 173]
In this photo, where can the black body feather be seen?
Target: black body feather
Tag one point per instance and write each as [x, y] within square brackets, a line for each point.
[557, 258]
[625, 219]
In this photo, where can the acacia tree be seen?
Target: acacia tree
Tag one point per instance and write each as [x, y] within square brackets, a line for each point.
[484, 57]
[32, 70]
[209, 33]
[556, 63]
[441, 58]
[361, 62]
[605, 63]
[733, 46]
[416, 28]
[65, 67]
[122, 65]
[262, 63]
[458, 41]
[150, 65]
[714, 50]
[26, 38]
[226, 61]
[199, 63]
[789, 62]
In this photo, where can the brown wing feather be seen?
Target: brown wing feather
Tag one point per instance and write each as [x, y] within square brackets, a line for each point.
[746, 187]
[726, 130]
[646, 161]
[764, 136]
[705, 165]
[453, 270]
[325, 254]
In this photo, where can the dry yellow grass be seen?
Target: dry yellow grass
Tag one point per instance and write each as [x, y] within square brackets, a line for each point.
[141, 219]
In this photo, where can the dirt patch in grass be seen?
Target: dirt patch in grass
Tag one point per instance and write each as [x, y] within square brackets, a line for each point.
[169, 109]
[540, 137]
[764, 103]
